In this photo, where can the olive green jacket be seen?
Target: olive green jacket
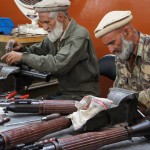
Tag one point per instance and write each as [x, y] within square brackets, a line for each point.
[139, 78]
[71, 59]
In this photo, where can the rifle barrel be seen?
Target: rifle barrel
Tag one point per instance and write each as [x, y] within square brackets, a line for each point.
[4, 104]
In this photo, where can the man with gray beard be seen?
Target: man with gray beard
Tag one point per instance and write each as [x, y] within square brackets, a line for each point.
[132, 50]
[67, 52]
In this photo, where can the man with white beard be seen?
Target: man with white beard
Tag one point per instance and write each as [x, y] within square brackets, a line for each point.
[67, 52]
[132, 50]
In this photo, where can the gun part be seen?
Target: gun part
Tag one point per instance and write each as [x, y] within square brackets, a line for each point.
[94, 140]
[4, 119]
[124, 110]
[46, 118]
[45, 107]
[10, 46]
[32, 132]
[11, 95]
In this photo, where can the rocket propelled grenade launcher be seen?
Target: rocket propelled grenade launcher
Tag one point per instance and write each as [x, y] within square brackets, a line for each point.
[93, 140]
[30, 133]
[44, 107]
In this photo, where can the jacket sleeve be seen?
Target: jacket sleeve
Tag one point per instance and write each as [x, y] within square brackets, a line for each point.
[37, 48]
[117, 79]
[144, 97]
[73, 51]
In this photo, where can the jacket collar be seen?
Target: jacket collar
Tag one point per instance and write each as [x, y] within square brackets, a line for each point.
[69, 29]
[141, 44]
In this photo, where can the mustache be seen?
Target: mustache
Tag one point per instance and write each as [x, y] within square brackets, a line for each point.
[117, 50]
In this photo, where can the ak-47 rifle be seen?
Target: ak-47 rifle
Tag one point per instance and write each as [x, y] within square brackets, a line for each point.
[93, 140]
[41, 107]
[125, 111]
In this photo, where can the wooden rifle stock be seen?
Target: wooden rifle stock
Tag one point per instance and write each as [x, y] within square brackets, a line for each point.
[32, 132]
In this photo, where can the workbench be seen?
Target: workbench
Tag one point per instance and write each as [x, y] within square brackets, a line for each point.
[138, 143]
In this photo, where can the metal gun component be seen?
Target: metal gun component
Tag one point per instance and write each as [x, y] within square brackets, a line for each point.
[118, 95]
[10, 46]
[6, 70]
[46, 118]
[124, 110]
[4, 119]
[36, 74]
[20, 77]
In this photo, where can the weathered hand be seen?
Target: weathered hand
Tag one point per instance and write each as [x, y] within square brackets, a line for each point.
[12, 57]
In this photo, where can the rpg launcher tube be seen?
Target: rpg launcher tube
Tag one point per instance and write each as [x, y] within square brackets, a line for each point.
[94, 140]
[45, 107]
[30, 133]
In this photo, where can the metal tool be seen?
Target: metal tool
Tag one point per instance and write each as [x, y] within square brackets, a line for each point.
[22, 97]
[11, 95]
[4, 119]
[46, 118]
[10, 46]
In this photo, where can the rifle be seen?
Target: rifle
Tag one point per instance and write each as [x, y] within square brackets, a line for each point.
[41, 107]
[93, 140]
[125, 111]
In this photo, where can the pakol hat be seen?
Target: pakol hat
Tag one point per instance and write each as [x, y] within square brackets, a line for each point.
[111, 21]
[52, 5]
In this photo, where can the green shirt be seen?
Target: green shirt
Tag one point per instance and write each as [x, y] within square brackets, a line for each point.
[71, 59]
[139, 78]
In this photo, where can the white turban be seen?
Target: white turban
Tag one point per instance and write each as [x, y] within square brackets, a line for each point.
[111, 21]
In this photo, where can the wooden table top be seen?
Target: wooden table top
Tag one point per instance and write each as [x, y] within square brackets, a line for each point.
[23, 39]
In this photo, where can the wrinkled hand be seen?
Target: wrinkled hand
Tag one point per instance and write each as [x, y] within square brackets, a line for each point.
[13, 45]
[12, 57]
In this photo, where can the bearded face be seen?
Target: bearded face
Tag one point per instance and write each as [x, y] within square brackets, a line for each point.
[126, 49]
[56, 32]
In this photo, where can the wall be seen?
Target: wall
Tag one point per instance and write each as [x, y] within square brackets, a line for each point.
[88, 13]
